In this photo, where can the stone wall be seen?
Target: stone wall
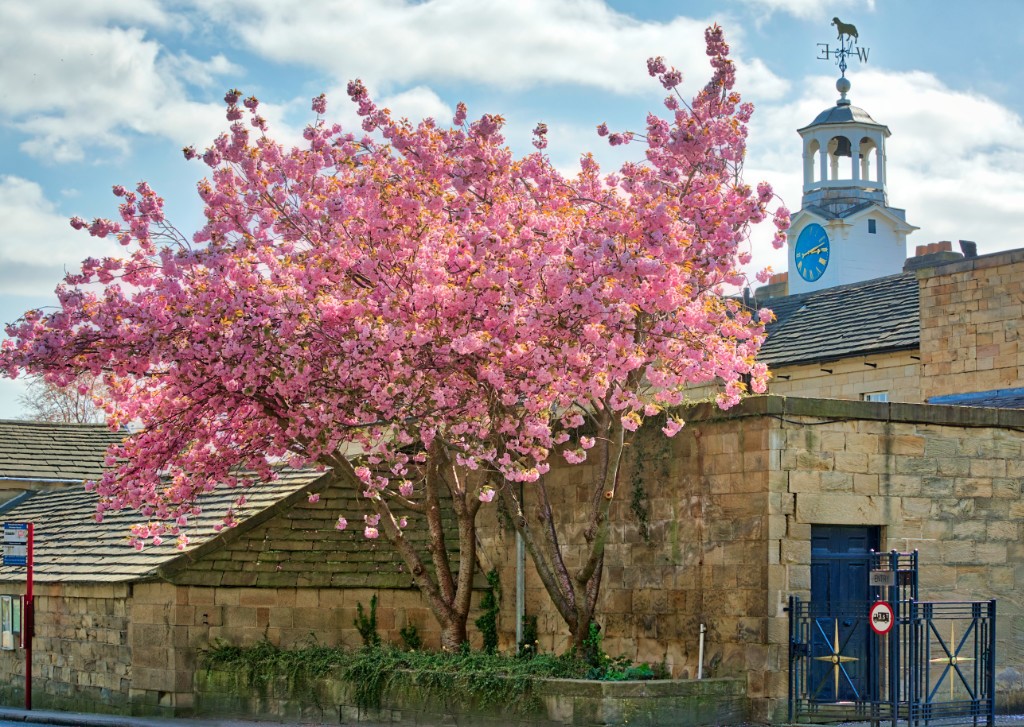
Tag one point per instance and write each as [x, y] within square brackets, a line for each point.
[971, 324]
[133, 648]
[82, 651]
[710, 527]
[899, 374]
[730, 503]
[560, 702]
[170, 624]
[698, 554]
[945, 481]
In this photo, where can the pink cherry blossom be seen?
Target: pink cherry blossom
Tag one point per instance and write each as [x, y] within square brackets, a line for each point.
[401, 302]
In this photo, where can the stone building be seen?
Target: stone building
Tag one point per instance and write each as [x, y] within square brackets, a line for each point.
[37, 456]
[730, 509]
[119, 630]
[735, 500]
[947, 332]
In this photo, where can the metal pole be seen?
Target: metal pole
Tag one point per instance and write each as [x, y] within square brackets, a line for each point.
[793, 601]
[700, 653]
[520, 588]
[520, 579]
[29, 616]
[991, 670]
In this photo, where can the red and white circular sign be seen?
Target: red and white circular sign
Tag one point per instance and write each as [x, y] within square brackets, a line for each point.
[881, 618]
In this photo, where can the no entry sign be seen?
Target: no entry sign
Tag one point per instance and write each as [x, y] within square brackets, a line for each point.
[881, 618]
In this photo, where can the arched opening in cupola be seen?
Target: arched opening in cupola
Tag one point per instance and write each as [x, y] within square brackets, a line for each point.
[839, 147]
[868, 149]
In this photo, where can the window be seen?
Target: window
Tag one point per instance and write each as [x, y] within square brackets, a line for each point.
[875, 396]
[872, 229]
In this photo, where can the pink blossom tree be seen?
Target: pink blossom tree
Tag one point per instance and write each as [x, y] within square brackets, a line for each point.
[422, 312]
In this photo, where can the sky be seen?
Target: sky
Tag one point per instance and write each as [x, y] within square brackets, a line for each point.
[106, 92]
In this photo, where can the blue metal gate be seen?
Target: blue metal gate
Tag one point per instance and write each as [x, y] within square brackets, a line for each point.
[936, 664]
[841, 650]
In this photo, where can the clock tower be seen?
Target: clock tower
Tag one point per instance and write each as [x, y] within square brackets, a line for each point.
[845, 230]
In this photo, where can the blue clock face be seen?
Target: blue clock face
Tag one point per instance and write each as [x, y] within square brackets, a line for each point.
[812, 252]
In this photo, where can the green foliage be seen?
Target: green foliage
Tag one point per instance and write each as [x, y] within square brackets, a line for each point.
[468, 677]
[411, 637]
[490, 603]
[593, 652]
[264, 662]
[528, 646]
[603, 667]
[638, 505]
[367, 625]
[650, 464]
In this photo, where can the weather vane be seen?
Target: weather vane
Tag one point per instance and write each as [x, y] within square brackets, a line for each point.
[848, 46]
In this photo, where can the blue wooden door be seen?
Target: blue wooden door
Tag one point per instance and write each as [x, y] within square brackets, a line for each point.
[841, 641]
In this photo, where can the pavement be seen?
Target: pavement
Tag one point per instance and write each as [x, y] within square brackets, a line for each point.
[18, 717]
[80, 719]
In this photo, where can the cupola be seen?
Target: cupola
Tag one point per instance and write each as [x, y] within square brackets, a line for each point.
[845, 231]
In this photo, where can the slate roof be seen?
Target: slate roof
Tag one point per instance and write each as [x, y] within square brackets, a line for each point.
[70, 546]
[860, 319]
[53, 452]
[843, 114]
[998, 398]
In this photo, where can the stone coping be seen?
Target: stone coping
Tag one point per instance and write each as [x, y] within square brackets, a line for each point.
[966, 265]
[843, 409]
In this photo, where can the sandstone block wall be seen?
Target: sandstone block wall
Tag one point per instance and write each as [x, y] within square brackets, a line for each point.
[81, 651]
[897, 373]
[696, 555]
[971, 325]
[710, 527]
[171, 624]
[944, 481]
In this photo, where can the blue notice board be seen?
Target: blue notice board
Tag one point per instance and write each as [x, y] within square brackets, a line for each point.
[15, 544]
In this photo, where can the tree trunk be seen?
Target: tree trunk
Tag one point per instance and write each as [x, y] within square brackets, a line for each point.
[453, 634]
[574, 595]
[448, 595]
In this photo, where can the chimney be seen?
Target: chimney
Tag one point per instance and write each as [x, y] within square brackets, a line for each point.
[932, 254]
[777, 287]
[969, 248]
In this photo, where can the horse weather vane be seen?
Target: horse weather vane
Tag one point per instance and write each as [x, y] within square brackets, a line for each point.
[847, 46]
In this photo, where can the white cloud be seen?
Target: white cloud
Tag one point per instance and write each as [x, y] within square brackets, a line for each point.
[201, 73]
[807, 9]
[83, 80]
[418, 103]
[514, 45]
[37, 245]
